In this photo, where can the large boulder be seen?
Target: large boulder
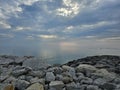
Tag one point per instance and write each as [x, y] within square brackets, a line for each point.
[86, 69]
[35, 86]
[103, 73]
[49, 76]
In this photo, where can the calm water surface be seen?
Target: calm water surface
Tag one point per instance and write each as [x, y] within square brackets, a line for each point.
[61, 52]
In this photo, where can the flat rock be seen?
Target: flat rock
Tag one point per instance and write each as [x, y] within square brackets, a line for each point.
[35, 86]
[85, 68]
[58, 85]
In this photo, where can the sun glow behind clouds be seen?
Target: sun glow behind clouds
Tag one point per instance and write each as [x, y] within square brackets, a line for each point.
[47, 36]
[71, 8]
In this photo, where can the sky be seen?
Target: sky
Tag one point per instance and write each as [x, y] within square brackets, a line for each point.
[63, 23]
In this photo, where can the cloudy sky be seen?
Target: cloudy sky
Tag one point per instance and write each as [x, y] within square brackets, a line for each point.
[24, 22]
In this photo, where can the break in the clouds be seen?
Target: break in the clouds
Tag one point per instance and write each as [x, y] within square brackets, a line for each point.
[59, 19]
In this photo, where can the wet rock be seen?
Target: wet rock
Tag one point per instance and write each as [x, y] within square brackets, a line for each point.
[35, 86]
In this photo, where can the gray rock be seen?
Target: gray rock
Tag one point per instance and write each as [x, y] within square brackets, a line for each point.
[20, 71]
[37, 80]
[69, 69]
[117, 80]
[35, 64]
[67, 79]
[57, 85]
[74, 86]
[59, 77]
[56, 70]
[35, 86]
[108, 86]
[99, 81]
[39, 73]
[85, 68]
[86, 80]
[92, 87]
[49, 76]
[103, 73]
[21, 84]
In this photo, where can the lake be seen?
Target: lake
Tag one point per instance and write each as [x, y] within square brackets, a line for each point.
[58, 52]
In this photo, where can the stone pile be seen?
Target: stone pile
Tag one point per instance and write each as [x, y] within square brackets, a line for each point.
[90, 73]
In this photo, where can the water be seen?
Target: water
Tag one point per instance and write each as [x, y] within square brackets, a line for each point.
[58, 52]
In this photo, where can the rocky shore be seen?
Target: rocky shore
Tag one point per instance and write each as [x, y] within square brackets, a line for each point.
[90, 73]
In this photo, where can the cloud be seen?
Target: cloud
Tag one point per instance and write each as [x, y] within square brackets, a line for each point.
[48, 36]
[20, 28]
[70, 8]
[4, 25]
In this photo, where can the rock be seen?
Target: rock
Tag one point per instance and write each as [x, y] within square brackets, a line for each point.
[35, 64]
[99, 81]
[108, 86]
[20, 71]
[55, 70]
[39, 73]
[49, 76]
[73, 86]
[58, 85]
[9, 87]
[10, 79]
[37, 80]
[67, 80]
[21, 84]
[103, 73]
[117, 80]
[86, 69]
[92, 87]
[86, 80]
[35, 86]
[59, 77]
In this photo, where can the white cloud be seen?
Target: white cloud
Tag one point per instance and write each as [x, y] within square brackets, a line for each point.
[48, 36]
[28, 2]
[71, 8]
[20, 28]
[98, 24]
[4, 25]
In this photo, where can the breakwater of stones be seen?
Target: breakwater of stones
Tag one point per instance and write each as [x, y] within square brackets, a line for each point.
[90, 73]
